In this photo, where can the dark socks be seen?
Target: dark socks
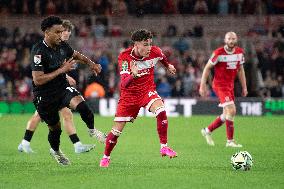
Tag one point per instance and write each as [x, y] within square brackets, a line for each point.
[28, 135]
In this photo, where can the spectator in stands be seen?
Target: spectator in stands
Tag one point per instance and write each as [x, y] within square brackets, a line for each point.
[278, 65]
[185, 6]
[278, 6]
[235, 7]
[155, 6]
[181, 45]
[99, 30]
[276, 91]
[164, 88]
[261, 7]
[258, 28]
[23, 89]
[198, 31]
[103, 60]
[189, 81]
[223, 7]
[94, 90]
[200, 7]
[178, 89]
[212, 6]
[50, 8]
[3, 87]
[119, 8]
[249, 7]
[171, 31]
[169, 7]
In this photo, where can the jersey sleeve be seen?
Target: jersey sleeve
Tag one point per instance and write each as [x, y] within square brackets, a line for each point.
[125, 72]
[37, 59]
[214, 58]
[163, 59]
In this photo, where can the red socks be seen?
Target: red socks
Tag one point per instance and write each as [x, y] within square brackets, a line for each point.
[162, 127]
[110, 143]
[215, 124]
[230, 129]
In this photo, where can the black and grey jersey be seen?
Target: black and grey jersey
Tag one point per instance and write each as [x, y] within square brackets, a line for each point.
[47, 59]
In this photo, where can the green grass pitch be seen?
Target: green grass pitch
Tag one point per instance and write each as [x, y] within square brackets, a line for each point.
[136, 162]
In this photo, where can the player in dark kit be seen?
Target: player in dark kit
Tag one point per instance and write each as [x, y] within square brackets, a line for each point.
[65, 113]
[51, 59]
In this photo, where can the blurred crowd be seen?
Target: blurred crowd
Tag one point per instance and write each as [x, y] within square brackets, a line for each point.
[264, 60]
[141, 7]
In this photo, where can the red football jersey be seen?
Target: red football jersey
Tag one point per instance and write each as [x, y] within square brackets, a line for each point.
[226, 66]
[145, 81]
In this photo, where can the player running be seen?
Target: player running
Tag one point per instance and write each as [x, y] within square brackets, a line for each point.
[136, 65]
[228, 63]
[66, 113]
[51, 60]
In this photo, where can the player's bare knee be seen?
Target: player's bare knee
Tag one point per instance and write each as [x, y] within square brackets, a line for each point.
[67, 116]
[230, 110]
[230, 117]
[35, 118]
[33, 122]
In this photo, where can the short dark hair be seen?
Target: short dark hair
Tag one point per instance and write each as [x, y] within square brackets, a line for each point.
[141, 35]
[49, 22]
[67, 24]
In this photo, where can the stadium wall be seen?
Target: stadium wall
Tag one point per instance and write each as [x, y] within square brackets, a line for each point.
[175, 107]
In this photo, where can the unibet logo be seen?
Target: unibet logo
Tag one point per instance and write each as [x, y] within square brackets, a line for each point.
[231, 65]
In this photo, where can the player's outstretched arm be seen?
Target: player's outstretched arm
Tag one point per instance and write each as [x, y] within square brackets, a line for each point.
[242, 78]
[40, 78]
[164, 60]
[96, 68]
[205, 75]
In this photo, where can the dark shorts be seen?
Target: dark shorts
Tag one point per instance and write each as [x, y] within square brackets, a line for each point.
[49, 106]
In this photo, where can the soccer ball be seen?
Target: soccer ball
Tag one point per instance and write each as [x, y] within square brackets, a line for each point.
[242, 161]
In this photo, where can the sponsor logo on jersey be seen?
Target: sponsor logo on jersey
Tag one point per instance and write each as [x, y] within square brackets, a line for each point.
[143, 72]
[37, 59]
[230, 58]
[146, 64]
[232, 65]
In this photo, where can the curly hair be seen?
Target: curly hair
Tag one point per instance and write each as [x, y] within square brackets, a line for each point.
[141, 35]
[49, 22]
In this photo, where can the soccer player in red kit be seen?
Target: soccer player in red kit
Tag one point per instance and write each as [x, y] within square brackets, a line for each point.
[228, 63]
[136, 65]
